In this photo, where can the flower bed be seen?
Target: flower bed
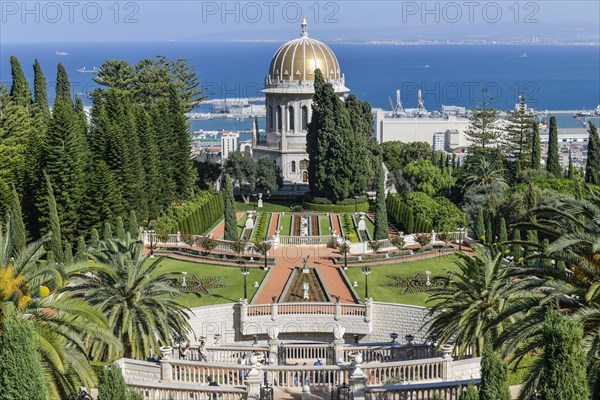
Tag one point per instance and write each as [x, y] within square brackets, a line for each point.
[186, 251]
[314, 224]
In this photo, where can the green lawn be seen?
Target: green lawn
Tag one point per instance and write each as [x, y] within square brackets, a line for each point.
[324, 225]
[379, 273]
[267, 206]
[285, 222]
[231, 277]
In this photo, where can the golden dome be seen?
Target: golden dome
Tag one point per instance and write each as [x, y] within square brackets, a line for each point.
[298, 59]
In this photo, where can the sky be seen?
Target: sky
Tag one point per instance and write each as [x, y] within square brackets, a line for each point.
[349, 21]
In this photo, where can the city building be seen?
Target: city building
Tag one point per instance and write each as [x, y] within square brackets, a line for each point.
[289, 90]
[229, 143]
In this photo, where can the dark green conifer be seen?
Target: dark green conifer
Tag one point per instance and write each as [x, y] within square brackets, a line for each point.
[381, 223]
[19, 91]
[536, 154]
[63, 86]
[230, 217]
[592, 166]
[40, 91]
[552, 162]
[494, 377]
[112, 384]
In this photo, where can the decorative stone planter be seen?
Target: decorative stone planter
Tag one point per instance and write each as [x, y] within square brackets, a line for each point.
[446, 350]
[165, 352]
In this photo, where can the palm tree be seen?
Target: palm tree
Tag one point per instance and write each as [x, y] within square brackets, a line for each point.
[482, 172]
[61, 324]
[466, 308]
[138, 300]
[571, 279]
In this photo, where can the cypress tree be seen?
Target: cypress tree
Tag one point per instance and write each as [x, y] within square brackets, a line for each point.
[94, 238]
[133, 226]
[63, 86]
[108, 235]
[68, 253]
[410, 222]
[489, 232]
[571, 168]
[19, 91]
[40, 92]
[564, 362]
[516, 248]
[18, 227]
[55, 244]
[120, 229]
[21, 376]
[81, 255]
[535, 147]
[230, 218]
[502, 233]
[381, 224]
[552, 163]
[470, 393]
[112, 384]
[494, 377]
[592, 166]
[479, 224]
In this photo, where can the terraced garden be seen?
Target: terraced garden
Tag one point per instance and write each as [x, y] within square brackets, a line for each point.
[295, 288]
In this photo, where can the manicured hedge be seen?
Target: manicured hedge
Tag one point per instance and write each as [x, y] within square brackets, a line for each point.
[336, 207]
[194, 216]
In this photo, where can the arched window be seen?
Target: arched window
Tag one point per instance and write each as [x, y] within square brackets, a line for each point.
[279, 118]
[304, 164]
[291, 118]
[270, 117]
[293, 166]
[304, 118]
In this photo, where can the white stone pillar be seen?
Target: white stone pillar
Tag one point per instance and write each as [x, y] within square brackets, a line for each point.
[253, 381]
[166, 371]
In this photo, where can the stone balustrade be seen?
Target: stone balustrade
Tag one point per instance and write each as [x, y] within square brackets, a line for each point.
[304, 240]
[419, 391]
[163, 391]
[257, 319]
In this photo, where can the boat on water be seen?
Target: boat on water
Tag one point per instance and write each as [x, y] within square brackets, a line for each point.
[84, 70]
[62, 53]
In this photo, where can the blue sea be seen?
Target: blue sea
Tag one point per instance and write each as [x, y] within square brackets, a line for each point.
[551, 77]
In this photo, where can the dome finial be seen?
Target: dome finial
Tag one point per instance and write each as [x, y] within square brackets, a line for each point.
[304, 32]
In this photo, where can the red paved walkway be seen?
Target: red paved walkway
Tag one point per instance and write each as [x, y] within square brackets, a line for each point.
[219, 230]
[274, 224]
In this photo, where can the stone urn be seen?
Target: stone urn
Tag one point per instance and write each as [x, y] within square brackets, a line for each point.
[357, 359]
[253, 359]
[165, 352]
[446, 350]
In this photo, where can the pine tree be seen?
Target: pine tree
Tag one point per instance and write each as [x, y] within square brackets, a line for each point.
[479, 224]
[40, 92]
[18, 227]
[21, 376]
[494, 377]
[150, 162]
[55, 244]
[112, 384]
[64, 162]
[564, 362]
[552, 163]
[517, 134]
[230, 217]
[107, 235]
[19, 91]
[482, 131]
[103, 200]
[592, 166]
[381, 223]
[63, 86]
[536, 154]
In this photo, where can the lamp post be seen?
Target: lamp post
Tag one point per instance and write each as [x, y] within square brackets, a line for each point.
[366, 271]
[151, 234]
[266, 252]
[356, 203]
[245, 271]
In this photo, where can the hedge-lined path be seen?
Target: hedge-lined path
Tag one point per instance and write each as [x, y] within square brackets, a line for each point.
[274, 224]
[219, 230]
